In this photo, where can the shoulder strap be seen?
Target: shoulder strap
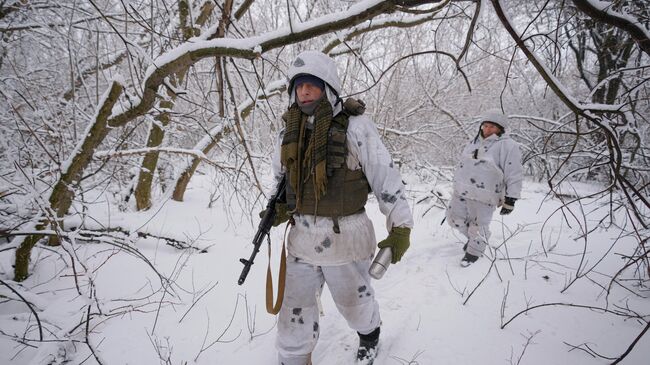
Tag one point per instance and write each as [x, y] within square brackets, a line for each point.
[341, 121]
[282, 274]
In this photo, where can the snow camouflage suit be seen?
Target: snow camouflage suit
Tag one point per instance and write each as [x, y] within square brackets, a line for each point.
[316, 254]
[489, 170]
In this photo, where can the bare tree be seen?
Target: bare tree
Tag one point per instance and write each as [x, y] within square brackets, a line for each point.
[98, 96]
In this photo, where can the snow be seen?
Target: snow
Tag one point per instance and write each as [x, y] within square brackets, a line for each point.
[201, 316]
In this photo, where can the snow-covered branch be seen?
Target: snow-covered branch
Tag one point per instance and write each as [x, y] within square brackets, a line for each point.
[202, 47]
[397, 21]
[601, 11]
[142, 151]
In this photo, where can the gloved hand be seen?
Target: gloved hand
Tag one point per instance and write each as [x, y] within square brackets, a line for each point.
[281, 214]
[398, 240]
[508, 206]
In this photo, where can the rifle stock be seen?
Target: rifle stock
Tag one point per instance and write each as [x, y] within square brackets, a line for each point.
[263, 228]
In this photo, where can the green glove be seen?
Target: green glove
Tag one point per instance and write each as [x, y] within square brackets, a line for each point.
[398, 240]
[281, 214]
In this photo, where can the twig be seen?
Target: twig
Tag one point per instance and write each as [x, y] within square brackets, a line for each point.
[232, 318]
[38, 321]
[575, 306]
[413, 360]
[493, 261]
[512, 270]
[196, 301]
[480, 282]
[504, 301]
[529, 340]
[462, 293]
[629, 349]
[87, 340]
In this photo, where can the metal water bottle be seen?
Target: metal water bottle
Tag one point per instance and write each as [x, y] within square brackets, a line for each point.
[380, 263]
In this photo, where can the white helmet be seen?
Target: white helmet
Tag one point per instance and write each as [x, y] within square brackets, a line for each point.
[318, 64]
[496, 117]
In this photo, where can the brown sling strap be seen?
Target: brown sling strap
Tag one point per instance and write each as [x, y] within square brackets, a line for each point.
[282, 274]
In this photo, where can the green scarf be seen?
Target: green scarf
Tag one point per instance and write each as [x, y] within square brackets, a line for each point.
[315, 156]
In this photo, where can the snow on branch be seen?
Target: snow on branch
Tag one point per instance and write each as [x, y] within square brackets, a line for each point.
[558, 88]
[398, 21]
[196, 153]
[4, 27]
[272, 88]
[385, 71]
[250, 48]
[601, 11]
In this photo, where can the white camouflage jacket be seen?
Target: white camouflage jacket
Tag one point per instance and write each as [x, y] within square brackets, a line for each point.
[489, 169]
[312, 238]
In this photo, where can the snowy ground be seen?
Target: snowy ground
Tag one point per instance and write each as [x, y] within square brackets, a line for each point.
[433, 311]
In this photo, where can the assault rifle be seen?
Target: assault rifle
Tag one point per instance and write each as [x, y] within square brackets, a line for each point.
[264, 227]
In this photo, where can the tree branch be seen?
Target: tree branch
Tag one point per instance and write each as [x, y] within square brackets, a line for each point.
[31, 308]
[601, 11]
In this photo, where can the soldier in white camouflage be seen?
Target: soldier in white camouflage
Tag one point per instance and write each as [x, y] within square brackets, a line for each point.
[489, 174]
[332, 157]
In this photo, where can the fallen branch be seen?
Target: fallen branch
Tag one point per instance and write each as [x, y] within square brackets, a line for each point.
[605, 310]
[106, 236]
[38, 321]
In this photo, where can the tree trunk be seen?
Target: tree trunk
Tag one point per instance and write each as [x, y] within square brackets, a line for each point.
[156, 133]
[185, 176]
[150, 159]
[62, 194]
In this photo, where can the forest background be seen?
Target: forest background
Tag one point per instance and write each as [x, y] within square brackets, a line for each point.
[123, 105]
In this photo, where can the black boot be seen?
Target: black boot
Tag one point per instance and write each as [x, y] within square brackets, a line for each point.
[368, 347]
[468, 259]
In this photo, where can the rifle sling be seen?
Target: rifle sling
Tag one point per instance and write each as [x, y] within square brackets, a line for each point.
[282, 274]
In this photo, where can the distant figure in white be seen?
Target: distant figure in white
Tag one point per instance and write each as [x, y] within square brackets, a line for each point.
[488, 175]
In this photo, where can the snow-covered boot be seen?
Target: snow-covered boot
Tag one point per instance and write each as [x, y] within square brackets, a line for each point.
[368, 347]
[468, 259]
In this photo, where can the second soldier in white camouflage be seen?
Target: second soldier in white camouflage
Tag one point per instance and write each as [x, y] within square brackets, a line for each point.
[488, 175]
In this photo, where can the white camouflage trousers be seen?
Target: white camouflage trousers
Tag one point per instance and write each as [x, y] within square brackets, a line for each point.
[353, 295]
[471, 218]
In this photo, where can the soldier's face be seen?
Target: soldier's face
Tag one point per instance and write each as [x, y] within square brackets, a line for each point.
[308, 92]
[489, 129]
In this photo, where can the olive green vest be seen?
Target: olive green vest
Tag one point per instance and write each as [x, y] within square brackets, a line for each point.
[347, 190]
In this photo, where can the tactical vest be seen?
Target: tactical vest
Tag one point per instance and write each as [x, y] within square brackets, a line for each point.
[347, 190]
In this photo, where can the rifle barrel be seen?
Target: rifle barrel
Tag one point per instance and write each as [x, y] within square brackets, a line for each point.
[263, 230]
